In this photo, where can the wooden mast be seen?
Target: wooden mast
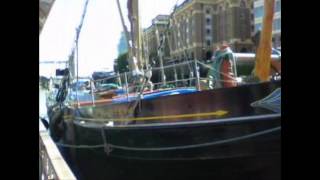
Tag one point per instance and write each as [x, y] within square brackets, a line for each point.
[137, 31]
[263, 57]
[133, 15]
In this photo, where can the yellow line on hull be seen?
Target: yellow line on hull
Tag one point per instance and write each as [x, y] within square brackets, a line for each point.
[215, 113]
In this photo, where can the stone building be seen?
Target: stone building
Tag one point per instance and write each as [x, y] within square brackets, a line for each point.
[197, 26]
[152, 37]
[258, 16]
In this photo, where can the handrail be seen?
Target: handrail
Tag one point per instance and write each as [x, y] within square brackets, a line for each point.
[51, 162]
[194, 81]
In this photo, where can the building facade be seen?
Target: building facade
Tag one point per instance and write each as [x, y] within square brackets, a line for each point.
[258, 15]
[198, 26]
[153, 36]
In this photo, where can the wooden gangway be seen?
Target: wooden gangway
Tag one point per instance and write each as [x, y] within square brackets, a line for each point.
[51, 162]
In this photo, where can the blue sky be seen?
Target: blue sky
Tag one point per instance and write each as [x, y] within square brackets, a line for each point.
[100, 32]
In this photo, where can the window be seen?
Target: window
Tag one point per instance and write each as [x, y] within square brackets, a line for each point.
[278, 6]
[208, 31]
[208, 43]
[242, 4]
[208, 11]
[208, 20]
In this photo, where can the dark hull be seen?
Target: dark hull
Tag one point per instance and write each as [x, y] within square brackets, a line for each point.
[246, 137]
[219, 139]
[235, 101]
[95, 165]
[253, 158]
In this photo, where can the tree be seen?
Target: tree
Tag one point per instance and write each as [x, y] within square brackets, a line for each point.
[121, 64]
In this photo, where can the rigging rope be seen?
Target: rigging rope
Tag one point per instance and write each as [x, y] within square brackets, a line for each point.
[219, 142]
[78, 30]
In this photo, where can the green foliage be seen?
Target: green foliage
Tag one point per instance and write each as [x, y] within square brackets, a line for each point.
[122, 63]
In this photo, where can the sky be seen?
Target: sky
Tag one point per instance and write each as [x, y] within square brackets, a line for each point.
[99, 36]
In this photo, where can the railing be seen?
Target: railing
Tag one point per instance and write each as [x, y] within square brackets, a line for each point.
[126, 80]
[51, 163]
[189, 75]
